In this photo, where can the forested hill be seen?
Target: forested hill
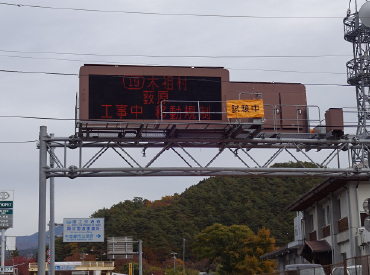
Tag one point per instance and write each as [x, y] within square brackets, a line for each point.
[255, 202]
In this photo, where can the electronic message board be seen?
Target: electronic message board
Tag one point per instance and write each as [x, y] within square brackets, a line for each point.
[111, 95]
[118, 93]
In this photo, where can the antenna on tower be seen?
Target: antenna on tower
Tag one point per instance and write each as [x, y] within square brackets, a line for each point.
[349, 7]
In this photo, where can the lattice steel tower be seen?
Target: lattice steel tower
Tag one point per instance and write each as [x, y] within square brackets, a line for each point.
[358, 75]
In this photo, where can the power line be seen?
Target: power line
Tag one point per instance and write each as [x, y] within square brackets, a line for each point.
[176, 56]
[24, 72]
[169, 56]
[117, 63]
[263, 70]
[17, 142]
[174, 14]
[285, 71]
[51, 58]
[35, 117]
[347, 124]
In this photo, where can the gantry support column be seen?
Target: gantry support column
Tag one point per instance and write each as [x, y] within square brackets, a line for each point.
[42, 201]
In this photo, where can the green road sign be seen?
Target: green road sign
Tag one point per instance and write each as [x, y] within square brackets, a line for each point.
[6, 211]
[6, 204]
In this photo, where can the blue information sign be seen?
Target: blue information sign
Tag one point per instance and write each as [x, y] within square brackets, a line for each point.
[83, 230]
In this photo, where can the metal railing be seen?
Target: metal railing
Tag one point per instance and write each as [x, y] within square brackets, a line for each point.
[297, 122]
[300, 121]
[351, 266]
[302, 271]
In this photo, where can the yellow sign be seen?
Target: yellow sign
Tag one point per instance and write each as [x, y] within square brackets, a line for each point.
[130, 268]
[245, 108]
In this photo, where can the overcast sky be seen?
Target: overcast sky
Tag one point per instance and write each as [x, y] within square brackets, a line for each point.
[44, 43]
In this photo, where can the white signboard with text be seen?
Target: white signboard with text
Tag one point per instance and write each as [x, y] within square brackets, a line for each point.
[11, 243]
[7, 269]
[83, 230]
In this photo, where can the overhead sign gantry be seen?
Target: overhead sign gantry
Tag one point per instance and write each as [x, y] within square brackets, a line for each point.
[174, 109]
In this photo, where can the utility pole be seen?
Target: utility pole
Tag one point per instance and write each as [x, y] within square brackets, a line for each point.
[52, 218]
[140, 257]
[183, 255]
[42, 201]
[174, 261]
[2, 249]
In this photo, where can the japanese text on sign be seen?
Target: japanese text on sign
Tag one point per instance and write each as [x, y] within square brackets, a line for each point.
[6, 204]
[6, 209]
[245, 108]
[83, 230]
[67, 265]
[154, 97]
[7, 269]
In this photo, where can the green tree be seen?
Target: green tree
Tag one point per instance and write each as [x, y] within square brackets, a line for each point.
[14, 253]
[78, 257]
[162, 224]
[235, 248]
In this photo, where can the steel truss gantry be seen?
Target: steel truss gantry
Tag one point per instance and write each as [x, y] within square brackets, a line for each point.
[244, 141]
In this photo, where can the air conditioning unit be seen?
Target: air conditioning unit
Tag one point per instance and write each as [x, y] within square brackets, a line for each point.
[365, 236]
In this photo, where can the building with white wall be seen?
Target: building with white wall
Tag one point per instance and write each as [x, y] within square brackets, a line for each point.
[329, 227]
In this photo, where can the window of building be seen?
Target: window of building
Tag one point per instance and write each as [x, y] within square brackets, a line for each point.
[322, 216]
[310, 223]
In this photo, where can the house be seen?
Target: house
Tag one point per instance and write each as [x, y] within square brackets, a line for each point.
[329, 224]
[290, 253]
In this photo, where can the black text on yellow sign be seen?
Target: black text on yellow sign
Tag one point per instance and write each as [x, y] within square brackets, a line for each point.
[130, 268]
[245, 108]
